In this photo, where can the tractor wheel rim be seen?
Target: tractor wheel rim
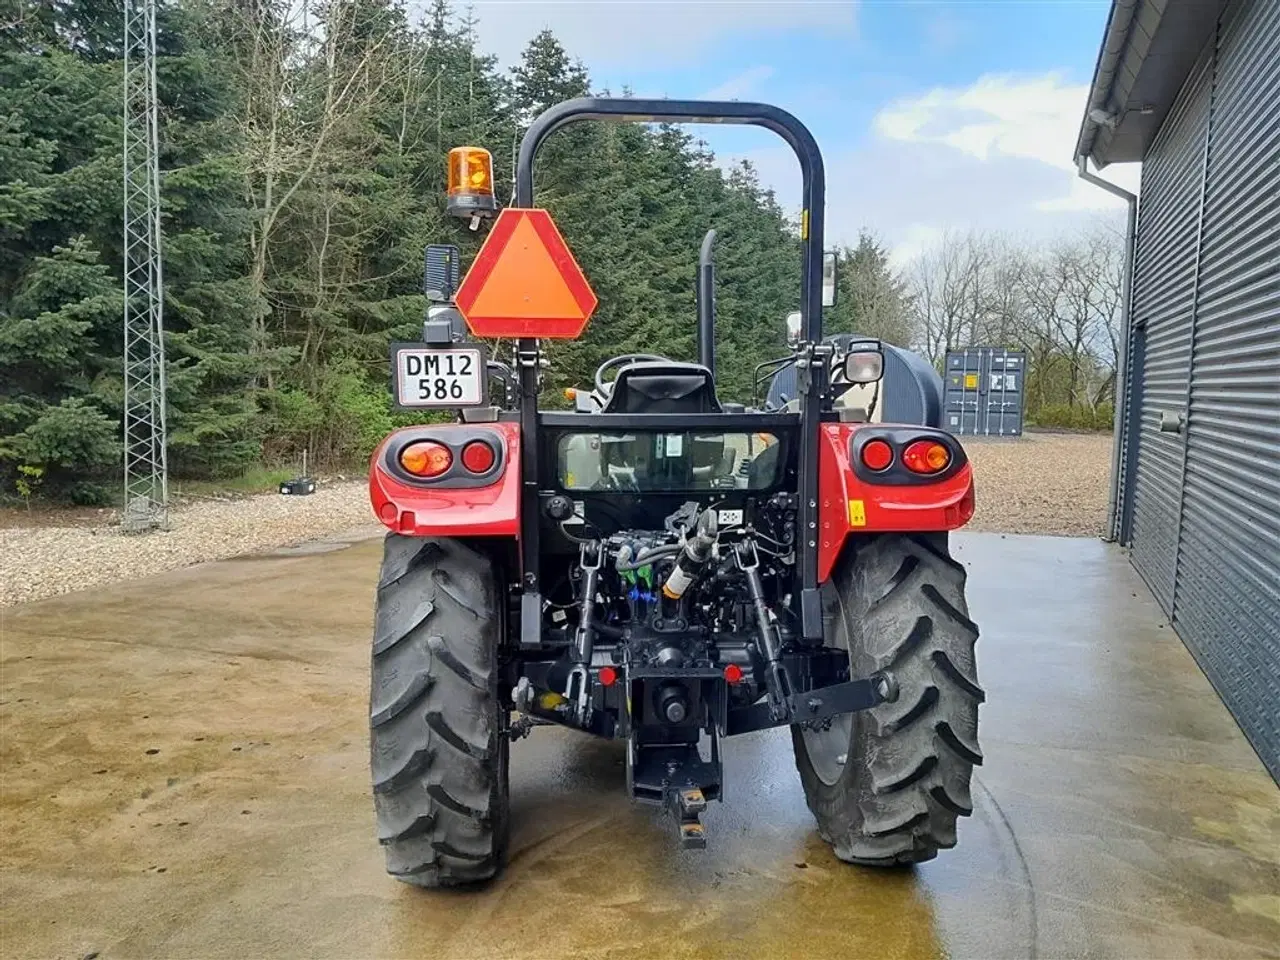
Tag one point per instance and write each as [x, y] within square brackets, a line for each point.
[829, 749]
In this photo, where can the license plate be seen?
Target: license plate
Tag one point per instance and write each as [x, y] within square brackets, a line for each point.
[438, 376]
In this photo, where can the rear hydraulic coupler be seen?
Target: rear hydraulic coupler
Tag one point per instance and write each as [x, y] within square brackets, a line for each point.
[692, 558]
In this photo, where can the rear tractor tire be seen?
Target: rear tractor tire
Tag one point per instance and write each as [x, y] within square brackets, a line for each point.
[438, 731]
[887, 785]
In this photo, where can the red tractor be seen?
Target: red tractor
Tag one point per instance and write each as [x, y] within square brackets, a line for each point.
[659, 566]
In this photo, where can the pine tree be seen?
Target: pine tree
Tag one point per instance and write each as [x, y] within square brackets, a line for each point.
[51, 362]
[60, 257]
[546, 76]
[872, 300]
[303, 170]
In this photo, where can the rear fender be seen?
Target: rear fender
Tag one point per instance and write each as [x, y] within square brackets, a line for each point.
[458, 504]
[852, 502]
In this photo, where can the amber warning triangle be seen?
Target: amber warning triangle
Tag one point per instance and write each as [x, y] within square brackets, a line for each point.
[525, 282]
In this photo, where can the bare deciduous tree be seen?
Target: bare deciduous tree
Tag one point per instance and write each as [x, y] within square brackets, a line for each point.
[306, 72]
[947, 288]
[1061, 302]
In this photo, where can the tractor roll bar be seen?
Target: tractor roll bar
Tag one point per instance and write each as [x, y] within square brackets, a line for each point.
[795, 133]
[810, 368]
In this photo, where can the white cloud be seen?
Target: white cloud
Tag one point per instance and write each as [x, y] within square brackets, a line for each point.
[737, 87]
[914, 240]
[1001, 117]
[1032, 117]
[909, 193]
[609, 34]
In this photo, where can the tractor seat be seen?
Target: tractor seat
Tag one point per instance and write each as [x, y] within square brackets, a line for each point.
[667, 386]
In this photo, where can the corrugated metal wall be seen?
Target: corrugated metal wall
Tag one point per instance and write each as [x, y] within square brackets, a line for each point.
[1227, 590]
[1205, 499]
[1164, 284]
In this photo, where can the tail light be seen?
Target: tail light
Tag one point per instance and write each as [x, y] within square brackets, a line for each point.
[925, 456]
[876, 455]
[426, 459]
[478, 457]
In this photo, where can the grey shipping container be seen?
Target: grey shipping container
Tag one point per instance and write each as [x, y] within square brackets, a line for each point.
[985, 387]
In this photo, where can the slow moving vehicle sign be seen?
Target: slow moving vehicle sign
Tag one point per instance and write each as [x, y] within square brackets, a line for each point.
[525, 282]
[430, 376]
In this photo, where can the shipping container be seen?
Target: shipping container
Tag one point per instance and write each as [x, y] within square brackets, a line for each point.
[985, 387]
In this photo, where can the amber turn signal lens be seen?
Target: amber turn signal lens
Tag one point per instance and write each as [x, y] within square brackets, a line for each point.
[876, 454]
[926, 456]
[426, 458]
[478, 457]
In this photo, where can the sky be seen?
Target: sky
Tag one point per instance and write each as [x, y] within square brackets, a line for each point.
[932, 115]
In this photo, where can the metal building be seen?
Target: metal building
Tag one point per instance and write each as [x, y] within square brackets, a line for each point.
[985, 389]
[1192, 90]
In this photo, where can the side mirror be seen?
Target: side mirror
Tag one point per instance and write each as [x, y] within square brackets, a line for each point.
[793, 328]
[829, 278]
[864, 365]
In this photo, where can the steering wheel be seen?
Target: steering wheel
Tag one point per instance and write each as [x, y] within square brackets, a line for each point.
[601, 384]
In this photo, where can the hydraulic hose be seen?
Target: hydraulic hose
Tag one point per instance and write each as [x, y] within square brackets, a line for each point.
[608, 630]
[646, 557]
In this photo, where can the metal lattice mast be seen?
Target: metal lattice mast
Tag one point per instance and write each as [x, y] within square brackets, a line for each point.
[146, 473]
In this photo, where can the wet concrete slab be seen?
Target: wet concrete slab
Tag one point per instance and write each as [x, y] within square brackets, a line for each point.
[183, 773]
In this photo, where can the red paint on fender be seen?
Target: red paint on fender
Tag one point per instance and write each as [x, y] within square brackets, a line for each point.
[423, 510]
[945, 505]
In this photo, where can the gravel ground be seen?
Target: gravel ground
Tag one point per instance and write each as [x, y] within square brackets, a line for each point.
[1042, 483]
[1047, 483]
[43, 561]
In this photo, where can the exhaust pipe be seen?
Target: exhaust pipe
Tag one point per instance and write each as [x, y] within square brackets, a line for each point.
[707, 303]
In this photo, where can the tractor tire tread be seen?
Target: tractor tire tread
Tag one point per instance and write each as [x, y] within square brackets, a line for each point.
[900, 600]
[438, 743]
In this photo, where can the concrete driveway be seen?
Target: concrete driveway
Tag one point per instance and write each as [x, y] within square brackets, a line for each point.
[184, 775]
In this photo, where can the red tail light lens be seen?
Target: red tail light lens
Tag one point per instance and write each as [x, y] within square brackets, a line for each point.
[608, 676]
[733, 673]
[478, 457]
[876, 454]
[426, 459]
[926, 456]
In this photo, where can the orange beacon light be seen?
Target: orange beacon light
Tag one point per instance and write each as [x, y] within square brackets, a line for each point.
[470, 183]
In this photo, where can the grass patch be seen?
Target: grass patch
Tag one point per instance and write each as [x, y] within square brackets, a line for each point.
[1063, 417]
[253, 480]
